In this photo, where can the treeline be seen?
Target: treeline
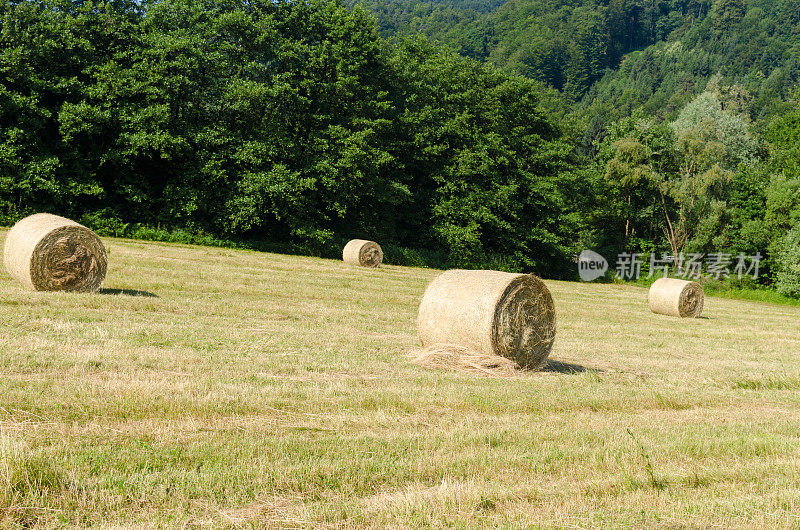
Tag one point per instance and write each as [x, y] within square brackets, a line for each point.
[280, 121]
[295, 122]
[686, 109]
[705, 183]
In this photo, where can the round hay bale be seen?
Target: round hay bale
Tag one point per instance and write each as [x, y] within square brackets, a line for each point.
[46, 252]
[362, 252]
[677, 298]
[490, 313]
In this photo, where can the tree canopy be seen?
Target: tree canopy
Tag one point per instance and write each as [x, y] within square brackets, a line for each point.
[276, 120]
[510, 135]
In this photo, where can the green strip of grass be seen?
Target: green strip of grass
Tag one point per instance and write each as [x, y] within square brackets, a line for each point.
[730, 291]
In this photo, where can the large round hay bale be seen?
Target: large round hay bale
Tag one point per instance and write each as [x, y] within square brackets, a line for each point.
[362, 252]
[490, 313]
[50, 253]
[677, 298]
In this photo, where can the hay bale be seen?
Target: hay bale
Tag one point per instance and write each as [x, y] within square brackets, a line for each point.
[490, 313]
[677, 298]
[362, 252]
[46, 252]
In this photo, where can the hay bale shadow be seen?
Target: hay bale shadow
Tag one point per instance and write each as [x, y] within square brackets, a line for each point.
[565, 368]
[461, 359]
[127, 292]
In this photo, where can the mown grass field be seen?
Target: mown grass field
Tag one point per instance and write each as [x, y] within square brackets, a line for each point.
[243, 389]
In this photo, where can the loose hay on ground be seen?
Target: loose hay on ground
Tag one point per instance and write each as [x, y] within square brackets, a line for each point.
[459, 358]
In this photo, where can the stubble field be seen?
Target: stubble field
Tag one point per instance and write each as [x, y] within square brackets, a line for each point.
[214, 387]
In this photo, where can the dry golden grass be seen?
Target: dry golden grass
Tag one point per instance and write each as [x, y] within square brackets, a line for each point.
[258, 390]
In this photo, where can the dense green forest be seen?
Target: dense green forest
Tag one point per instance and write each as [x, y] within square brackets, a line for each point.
[457, 133]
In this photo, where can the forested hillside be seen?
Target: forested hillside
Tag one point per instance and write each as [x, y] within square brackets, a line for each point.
[686, 109]
[568, 44]
[619, 55]
[508, 136]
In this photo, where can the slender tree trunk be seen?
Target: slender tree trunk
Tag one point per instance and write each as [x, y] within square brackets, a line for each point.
[673, 238]
[628, 222]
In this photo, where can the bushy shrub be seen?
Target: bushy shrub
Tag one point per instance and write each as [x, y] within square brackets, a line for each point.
[787, 278]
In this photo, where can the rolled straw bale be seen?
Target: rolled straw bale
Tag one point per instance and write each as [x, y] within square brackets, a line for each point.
[46, 252]
[490, 313]
[362, 252]
[677, 298]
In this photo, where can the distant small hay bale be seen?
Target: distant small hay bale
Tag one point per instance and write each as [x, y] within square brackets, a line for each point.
[490, 313]
[677, 298]
[459, 358]
[362, 252]
[46, 252]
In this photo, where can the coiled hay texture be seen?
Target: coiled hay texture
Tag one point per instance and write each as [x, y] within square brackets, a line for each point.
[677, 298]
[489, 313]
[362, 252]
[46, 252]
